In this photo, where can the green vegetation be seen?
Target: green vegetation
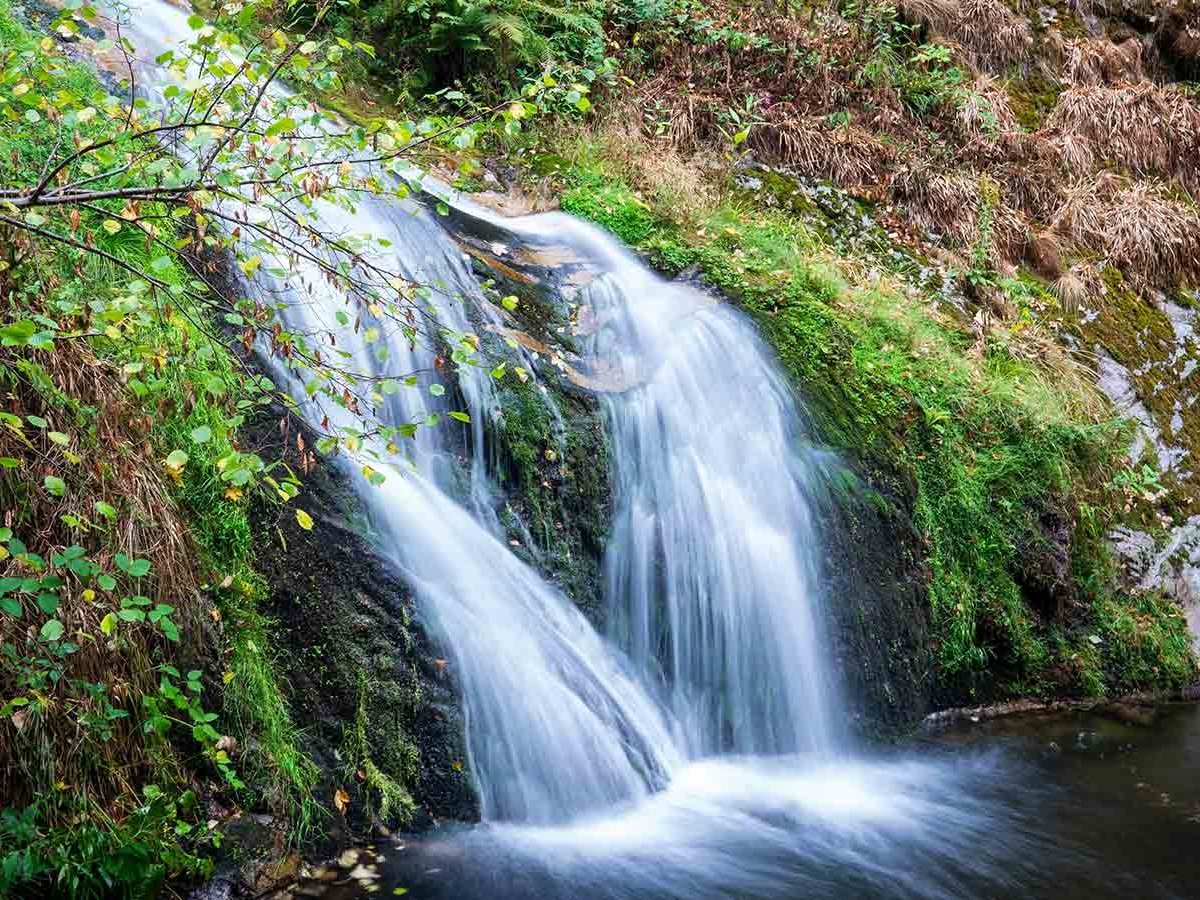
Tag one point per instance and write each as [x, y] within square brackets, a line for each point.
[999, 433]
[395, 803]
[140, 680]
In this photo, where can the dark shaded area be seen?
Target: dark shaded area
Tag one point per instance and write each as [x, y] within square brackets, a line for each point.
[877, 602]
[349, 637]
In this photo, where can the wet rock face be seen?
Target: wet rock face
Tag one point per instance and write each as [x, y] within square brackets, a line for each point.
[878, 606]
[351, 649]
[1178, 39]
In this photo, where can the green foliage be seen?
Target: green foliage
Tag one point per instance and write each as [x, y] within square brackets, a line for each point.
[97, 857]
[442, 43]
[394, 802]
[107, 724]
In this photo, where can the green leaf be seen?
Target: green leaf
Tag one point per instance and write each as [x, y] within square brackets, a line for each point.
[201, 435]
[59, 438]
[52, 630]
[11, 606]
[132, 615]
[459, 416]
[106, 510]
[9, 462]
[48, 603]
[55, 485]
[195, 22]
[287, 123]
[17, 334]
[509, 302]
[168, 628]
[106, 581]
[437, 390]
[109, 623]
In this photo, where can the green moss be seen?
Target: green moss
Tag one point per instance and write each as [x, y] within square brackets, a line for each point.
[1031, 96]
[1139, 335]
[1144, 643]
[555, 472]
[992, 441]
[395, 804]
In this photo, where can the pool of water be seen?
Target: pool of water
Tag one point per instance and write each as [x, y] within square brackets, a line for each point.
[1069, 805]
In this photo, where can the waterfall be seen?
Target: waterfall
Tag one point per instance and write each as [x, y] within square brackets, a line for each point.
[710, 581]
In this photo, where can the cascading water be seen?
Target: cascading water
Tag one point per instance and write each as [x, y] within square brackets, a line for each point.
[557, 725]
[711, 580]
[691, 755]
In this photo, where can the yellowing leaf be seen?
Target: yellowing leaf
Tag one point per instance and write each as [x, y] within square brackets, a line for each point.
[112, 226]
[233, 493]
[341, 800]
[304, 520]
[109, 623]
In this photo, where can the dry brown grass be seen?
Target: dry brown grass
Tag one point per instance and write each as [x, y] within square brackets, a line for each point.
[1077, 286]
[985, 115]
[1144, 128]
[949, 203]
[1151, 237]
[1046, 253]
[1097, 61]
[990, 34]
[850, 156]
[48, 744]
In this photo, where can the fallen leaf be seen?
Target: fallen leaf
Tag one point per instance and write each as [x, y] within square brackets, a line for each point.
[342, 801]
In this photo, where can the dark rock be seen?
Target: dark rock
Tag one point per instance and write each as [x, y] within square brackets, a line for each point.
[1178, 39]
[351, 643]
[876, 596]
[1045, 573]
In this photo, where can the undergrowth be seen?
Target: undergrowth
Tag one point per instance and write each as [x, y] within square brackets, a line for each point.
[123, 518]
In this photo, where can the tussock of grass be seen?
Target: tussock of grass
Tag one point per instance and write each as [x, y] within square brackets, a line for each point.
[952, 204]
[991, 35]
[1097, 62]
[254, 701]
[848, 155]
[1141, 229]
[1144, 128]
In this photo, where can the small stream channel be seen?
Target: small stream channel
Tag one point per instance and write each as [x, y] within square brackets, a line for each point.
[1077, 805]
